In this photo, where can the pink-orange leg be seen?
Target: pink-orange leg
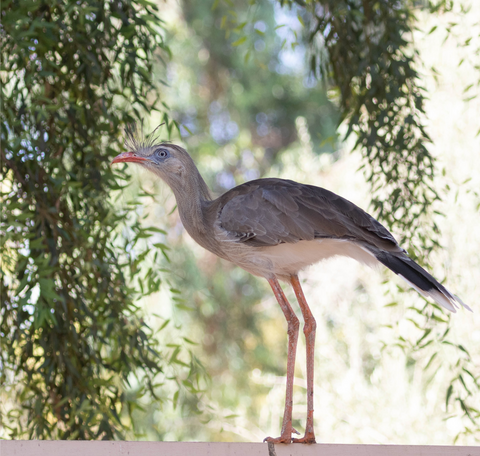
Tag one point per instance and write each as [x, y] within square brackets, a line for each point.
[293, 325]
[309, 329]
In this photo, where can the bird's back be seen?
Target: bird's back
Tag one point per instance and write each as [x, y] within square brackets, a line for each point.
[267, 212]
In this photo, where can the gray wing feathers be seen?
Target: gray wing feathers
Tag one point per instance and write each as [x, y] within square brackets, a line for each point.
[285, 211]
[254, 219]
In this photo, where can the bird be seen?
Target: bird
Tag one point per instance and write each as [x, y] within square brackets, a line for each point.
[274, 228]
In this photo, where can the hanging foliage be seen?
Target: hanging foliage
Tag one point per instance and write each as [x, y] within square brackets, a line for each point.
[72, 339]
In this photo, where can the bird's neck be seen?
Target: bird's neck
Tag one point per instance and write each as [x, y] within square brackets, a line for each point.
[192, 197]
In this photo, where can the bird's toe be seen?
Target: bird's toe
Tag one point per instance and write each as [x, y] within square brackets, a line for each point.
[308, 439]
[281, 439]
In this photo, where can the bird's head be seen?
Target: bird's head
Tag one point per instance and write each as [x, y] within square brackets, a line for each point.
[163, 159]
[168, 161]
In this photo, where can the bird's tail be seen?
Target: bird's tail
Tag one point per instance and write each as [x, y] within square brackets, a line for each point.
[420, 279]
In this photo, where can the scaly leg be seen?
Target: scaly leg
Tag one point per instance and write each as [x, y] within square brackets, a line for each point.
[293, 327]
[309, 330]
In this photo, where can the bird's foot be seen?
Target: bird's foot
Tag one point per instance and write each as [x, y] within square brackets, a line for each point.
[308, 438]
[286, 437]
[281, 439]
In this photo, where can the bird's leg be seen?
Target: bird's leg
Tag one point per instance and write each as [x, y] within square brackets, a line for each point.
[293, 327]
[309, 330]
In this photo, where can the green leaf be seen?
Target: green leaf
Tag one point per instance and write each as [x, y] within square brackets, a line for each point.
[449, 393]
[239, 41]
[175, 399]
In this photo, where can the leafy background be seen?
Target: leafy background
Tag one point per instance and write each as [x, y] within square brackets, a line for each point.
[164, 341]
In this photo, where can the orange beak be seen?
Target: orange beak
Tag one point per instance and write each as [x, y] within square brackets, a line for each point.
[128, 157]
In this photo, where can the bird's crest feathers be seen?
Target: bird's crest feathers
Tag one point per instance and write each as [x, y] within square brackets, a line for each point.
[135, 139]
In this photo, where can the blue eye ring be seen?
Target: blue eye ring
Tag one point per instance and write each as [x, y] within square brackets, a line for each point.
[162, 153]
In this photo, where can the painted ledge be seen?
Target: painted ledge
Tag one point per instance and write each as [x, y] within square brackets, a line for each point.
[109, 448]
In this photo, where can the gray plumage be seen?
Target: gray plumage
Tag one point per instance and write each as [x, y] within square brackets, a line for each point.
[272, 211]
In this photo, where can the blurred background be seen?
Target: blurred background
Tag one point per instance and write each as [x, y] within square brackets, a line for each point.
[240, 87]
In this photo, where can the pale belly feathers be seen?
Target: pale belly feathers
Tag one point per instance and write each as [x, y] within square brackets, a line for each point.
[285, 260]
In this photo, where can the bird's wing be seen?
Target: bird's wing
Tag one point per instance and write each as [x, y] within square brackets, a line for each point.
[268, 212]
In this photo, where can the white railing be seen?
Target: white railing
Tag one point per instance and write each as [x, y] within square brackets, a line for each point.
[104, 448]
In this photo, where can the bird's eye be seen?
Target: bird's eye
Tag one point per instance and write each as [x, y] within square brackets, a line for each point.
[162, 153]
